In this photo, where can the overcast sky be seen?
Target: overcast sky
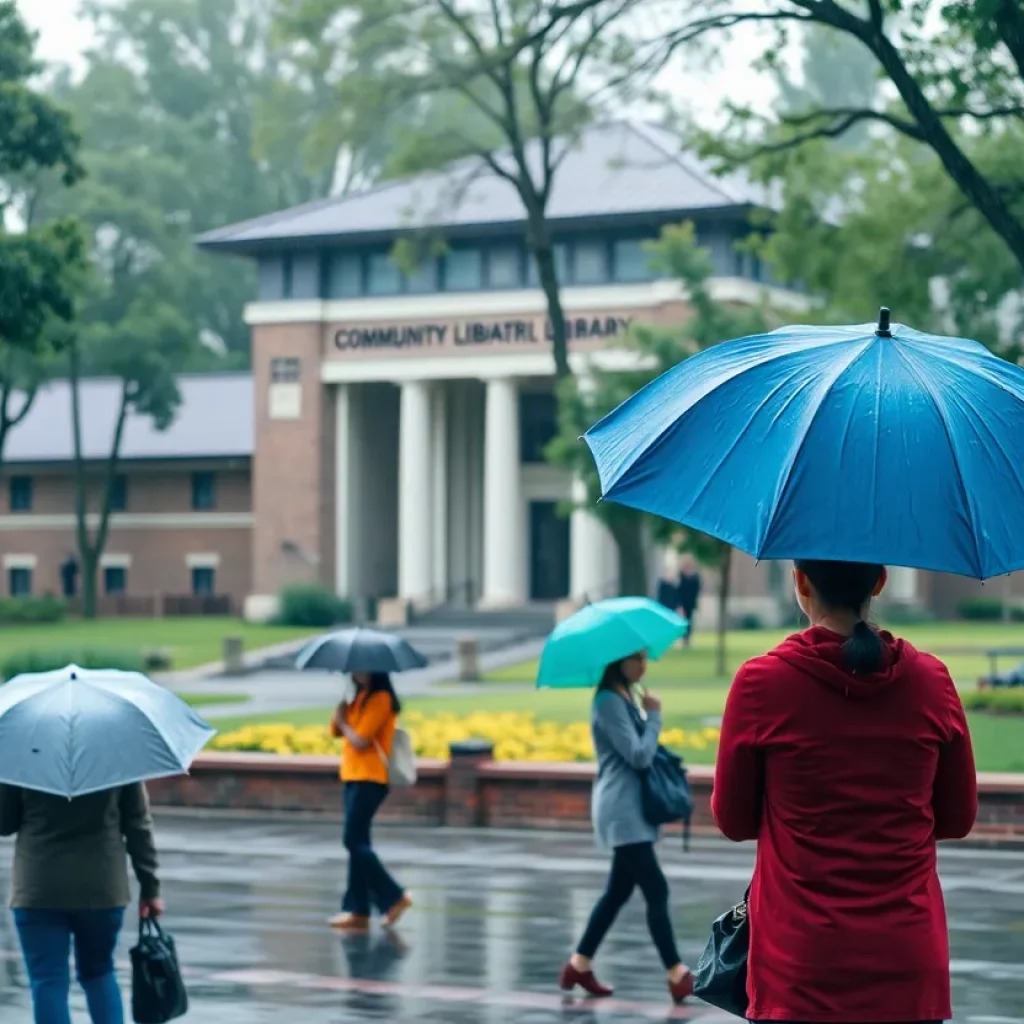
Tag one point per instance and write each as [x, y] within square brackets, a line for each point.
[63, 37]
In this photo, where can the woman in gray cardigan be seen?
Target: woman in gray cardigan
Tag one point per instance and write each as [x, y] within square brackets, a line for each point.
[625, 744]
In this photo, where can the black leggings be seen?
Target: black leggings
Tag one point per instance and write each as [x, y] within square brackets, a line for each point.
[633, 866]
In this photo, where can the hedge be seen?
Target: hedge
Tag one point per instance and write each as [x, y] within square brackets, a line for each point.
[310, 605]
[988, 609]
[48, 659]
[20, 611]
[999, 700]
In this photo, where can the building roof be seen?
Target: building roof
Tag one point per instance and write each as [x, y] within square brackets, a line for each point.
[214, 420]
[615, 169]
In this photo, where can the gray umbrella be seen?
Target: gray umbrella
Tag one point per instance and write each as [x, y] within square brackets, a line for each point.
[360, 650]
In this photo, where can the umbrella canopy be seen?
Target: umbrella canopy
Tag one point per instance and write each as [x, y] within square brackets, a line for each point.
[76, 731]
[360, 650]
[580, 647]
[866, 444]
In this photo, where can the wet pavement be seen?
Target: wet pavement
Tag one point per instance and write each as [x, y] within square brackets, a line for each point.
[496, 913]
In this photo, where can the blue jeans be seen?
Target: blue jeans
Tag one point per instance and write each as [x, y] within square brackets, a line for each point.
[368, 879]
[46, 945]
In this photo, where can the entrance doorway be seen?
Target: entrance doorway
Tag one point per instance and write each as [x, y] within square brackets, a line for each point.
[549, 552]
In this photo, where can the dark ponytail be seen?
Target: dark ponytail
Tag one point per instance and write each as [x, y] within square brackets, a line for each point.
[848, 586]
[612, 677]
[380, 682]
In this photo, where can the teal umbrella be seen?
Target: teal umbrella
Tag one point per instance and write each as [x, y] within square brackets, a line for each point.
[579, 648]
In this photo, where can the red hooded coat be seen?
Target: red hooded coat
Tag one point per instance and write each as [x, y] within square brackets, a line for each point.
[846, 782]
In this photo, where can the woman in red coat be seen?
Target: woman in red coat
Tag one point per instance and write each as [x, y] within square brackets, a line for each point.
[845, 753]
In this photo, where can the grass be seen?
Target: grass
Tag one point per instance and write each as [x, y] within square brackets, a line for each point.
[961, 645]
[200, 700]
[190, 641]
[692, 694]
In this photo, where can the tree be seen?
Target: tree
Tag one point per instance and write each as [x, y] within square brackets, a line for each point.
[951, 84]
[491, 81]
[659, 348]
[37, 264]
[143, 350]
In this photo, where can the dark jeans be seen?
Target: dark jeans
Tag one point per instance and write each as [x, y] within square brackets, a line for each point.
[46, 945]
[690, 614]
[634, 866]
[369, 884]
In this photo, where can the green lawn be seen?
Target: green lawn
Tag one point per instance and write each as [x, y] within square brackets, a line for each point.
[192, 641]
[961, 646]
[202, 700]
[691, 694]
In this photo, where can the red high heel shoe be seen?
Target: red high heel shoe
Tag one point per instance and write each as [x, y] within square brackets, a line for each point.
[571, 978]
[681, 989]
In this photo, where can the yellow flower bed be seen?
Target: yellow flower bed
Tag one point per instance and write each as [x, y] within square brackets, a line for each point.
[516, 737]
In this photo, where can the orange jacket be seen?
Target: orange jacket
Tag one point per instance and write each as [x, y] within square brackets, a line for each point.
[372, 719]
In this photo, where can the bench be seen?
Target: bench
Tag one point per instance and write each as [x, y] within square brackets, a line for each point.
[995, 653]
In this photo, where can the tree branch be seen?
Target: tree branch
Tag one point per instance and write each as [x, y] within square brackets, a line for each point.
[1009, 19]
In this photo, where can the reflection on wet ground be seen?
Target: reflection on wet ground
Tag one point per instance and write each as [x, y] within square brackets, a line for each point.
[495, 916]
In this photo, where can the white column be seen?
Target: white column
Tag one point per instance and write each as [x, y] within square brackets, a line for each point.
[415, 535]
[343, 567]
[588, 572]
[503, 513]
[439, 489]
[902, 586]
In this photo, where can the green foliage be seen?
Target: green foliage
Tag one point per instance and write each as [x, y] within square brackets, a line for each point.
[996, 700]
[38, 266]
[49, 659]
[906, 615]
[312, 605]
[987, 609]
[22, 611]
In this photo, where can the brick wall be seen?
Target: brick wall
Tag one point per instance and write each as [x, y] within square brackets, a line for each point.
[472, 790]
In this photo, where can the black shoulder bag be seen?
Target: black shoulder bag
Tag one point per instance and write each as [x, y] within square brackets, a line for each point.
[158, 993]
[720, 977]
[665, 789]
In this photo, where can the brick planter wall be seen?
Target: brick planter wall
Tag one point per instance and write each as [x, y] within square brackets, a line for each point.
[473, 790]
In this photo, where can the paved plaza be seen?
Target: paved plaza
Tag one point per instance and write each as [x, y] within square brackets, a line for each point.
[495, 916]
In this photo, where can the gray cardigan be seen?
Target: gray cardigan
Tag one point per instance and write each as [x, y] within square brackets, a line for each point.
[623, 752]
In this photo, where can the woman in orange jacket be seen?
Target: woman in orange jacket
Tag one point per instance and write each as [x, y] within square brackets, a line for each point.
[367, 727]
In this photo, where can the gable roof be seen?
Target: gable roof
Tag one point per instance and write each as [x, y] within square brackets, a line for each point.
[614, 170]
[214, 420]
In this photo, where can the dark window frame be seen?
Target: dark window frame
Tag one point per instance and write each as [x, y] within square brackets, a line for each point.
[200, 478]
[204, 572]
[21, 500]
[110, 571]
[119, 493]
[285, 369]
[20, 572]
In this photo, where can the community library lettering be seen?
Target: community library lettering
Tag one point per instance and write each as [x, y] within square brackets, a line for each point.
[476, 332]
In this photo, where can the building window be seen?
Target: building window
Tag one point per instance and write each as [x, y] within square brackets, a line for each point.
[204, 491]
[19, 581]
[739, 263]
[287, 272]
[505, 267]
[464, 270]
[382, 276]
[285, 370]
[115, 580]
[561, 251]
[422, 279]
[345, 275]
[590, 263]
[538, 425]
[204, 580]
[632, 261]
[119, 493]
[756, 268]
[21, 493]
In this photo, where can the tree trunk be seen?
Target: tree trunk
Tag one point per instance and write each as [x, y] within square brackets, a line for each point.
[629, 541]
[89, 559]
[724, 587]
[547, 273]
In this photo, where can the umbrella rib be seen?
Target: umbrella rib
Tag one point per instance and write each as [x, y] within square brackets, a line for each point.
[961, 483]
[787, 473]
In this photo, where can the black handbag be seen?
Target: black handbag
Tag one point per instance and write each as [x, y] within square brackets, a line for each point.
[158, 993]
[665, 787]
[720, 977]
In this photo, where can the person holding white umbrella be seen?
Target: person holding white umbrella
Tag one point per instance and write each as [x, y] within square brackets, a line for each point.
[75, 749]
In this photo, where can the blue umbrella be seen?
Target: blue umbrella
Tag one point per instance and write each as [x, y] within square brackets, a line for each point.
[360, 650]
[872, 444]
[580, 647]
[76, 731]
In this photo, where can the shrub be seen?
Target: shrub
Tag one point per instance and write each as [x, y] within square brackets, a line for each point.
[998, 700]
[987, 609]
[749, 622]
[48, 659]
[23, 611]
[157, 659]
[311, 605]
[906, 615]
